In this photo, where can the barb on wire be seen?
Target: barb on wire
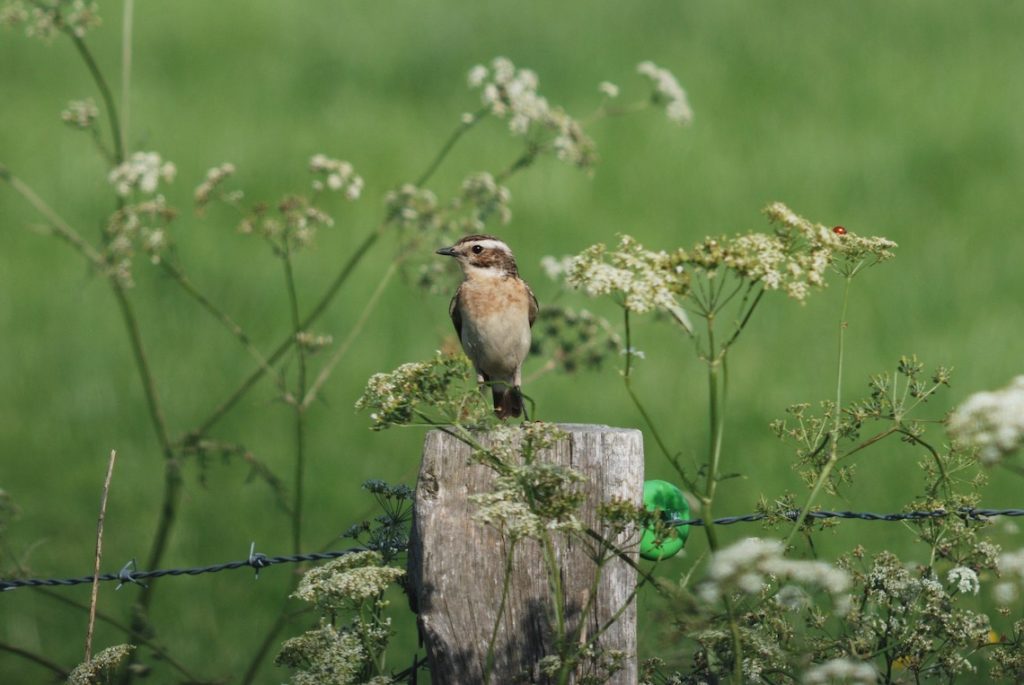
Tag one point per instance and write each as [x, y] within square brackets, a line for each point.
[970, 513]
[128, 574]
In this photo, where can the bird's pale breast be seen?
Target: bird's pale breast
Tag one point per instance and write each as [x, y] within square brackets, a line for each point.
[495, 324]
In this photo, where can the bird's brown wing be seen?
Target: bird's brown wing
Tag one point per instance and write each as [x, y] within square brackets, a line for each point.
[453, 311]
[534, 305]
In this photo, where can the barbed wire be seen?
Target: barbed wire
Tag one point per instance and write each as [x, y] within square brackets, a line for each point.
[257, 560]
[129, 574]
[968, 513]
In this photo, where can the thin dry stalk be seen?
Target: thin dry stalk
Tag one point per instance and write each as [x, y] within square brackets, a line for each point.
[99, 554]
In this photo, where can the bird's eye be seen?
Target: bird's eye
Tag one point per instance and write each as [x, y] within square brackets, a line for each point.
[477, 249]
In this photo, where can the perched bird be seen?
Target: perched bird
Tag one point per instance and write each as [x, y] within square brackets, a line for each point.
[493, 311]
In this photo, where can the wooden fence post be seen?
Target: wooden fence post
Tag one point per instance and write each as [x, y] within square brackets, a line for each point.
[457, 564]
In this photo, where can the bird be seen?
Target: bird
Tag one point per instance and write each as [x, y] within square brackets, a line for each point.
[493, 310]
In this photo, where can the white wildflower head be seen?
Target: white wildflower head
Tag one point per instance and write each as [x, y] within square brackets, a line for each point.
[844, 251]
[443, 387]
[347, 582]
[748, 566]
[531, 495]
[835, 671]
[141, 225]
[641, 279]
[532, 498]
[667, 92]
[324, 656]
[964, 580]
[101, 667]
[991, 422]
[608, 89]
[81, 16]
[142, 172]
[481, 197]
[44, 21]
[556, 268]
[1011, 570]
[215, 176]
[81, 114]
[510, 93]
[335, 175]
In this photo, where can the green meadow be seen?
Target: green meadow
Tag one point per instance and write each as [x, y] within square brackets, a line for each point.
[894, 119]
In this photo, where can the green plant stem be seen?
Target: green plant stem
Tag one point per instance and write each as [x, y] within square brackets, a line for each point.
[838, 410]
[300, 441]
[332, 290]
[357, 328]
[216, 312]
[716, 417]
[627, 379]
[60, 227]
[105, 93]
[135, 636]
[505, 585]
[449, 144]
[57, 669]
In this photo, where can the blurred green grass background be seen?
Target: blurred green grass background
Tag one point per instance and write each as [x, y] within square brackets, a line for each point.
[897, 119]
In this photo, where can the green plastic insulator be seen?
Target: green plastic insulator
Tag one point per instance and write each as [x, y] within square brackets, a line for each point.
[667, 501]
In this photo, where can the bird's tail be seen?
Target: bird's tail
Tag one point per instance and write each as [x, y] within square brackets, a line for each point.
[508, 401]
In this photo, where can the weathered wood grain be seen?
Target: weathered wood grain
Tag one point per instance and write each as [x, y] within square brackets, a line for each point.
[457, 565]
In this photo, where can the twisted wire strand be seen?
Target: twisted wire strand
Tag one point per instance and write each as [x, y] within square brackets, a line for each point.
[128, 574]
[258, 561]
[969, 513]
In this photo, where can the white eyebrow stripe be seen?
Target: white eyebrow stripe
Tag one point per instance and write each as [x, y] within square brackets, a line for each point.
[493, 244]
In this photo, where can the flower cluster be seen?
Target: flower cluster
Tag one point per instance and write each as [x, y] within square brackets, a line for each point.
[354, 583]
[313, 342]
[347, 582]
[846, 252]
[100, 668]
[642, 279]
[1011, 568]
[482, 197]
[43, 22]
[511, 93]
[335, 175]
[215, 176]
[294, 226]
[913, 618]
[747, 565]
[413, 207]
[140, 225]
[388, 532]
[574, 339]
[667, 92]
[142, 172]
[531, 495]
[80, 113]
[964, 580]
[841, 670]
[608, 89]
[324, 656]
[991, 422]
[532, 498]
[443, 386]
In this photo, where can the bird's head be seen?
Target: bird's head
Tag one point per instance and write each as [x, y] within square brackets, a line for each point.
[482, 255]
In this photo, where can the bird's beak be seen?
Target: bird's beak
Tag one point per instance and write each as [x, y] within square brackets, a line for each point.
[447, 251]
